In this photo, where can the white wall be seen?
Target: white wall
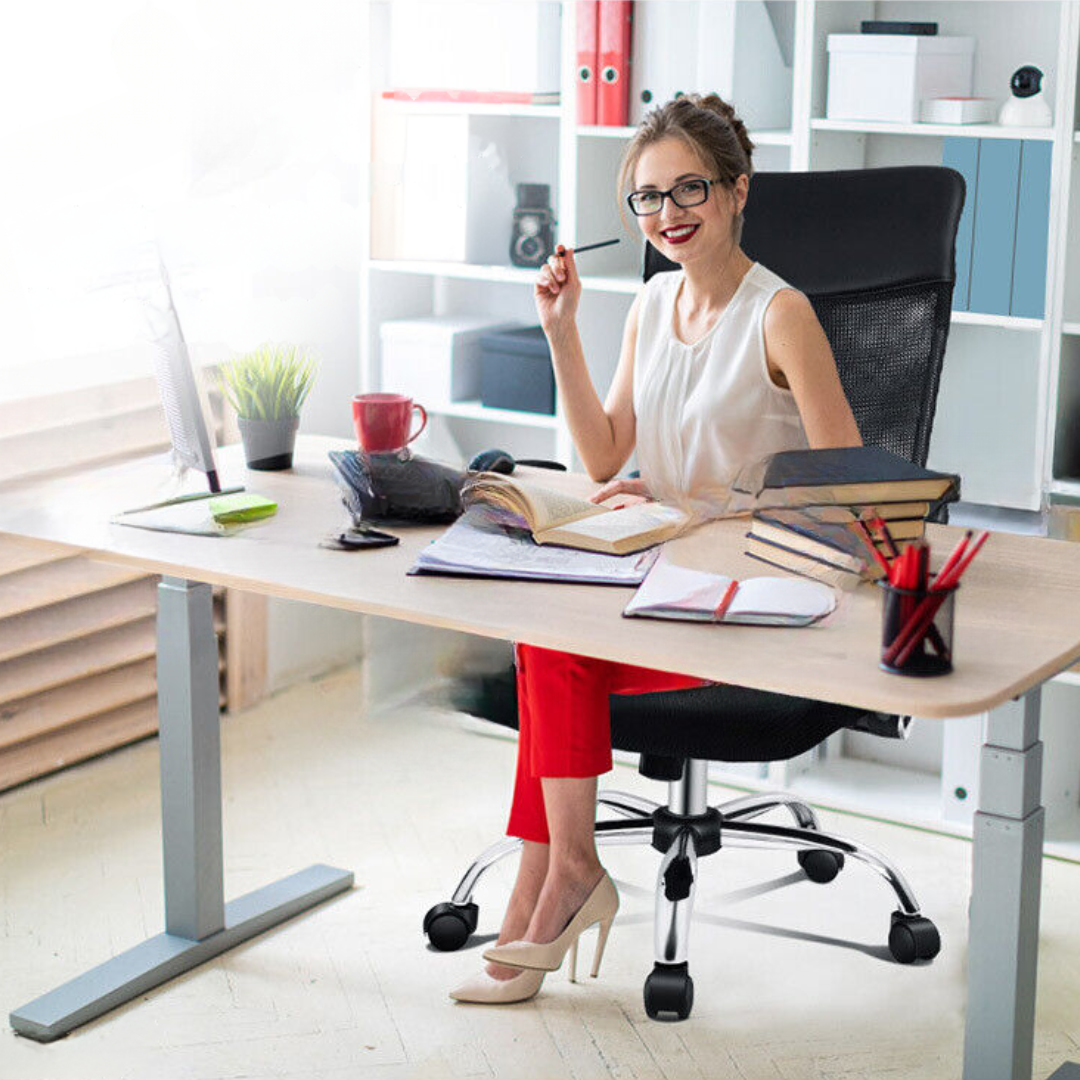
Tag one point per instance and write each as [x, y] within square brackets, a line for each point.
[271, 222]
[304, 640]
[271, 225]
[228, 132]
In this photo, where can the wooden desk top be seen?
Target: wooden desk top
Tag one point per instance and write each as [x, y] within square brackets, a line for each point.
[1017, 614]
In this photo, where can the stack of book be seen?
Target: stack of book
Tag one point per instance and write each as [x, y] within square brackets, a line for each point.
[816, 511]
[828, 543]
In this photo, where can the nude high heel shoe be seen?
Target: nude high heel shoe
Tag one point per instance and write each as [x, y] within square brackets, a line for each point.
[482, 989]
[600, 907]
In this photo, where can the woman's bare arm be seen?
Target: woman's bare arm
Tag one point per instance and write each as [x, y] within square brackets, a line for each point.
[603, 433]
[796, 347]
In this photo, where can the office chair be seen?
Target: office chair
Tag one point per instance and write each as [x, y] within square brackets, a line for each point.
[873, 251]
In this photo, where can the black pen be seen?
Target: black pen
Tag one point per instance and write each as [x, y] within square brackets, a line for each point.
[589, 247]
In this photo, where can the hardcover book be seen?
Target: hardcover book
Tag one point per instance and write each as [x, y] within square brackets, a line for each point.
[842, 476]
[838, 541]
[805, 565]
[834, 544]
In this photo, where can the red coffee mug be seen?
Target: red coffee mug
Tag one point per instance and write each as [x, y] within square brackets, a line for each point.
[382, 421]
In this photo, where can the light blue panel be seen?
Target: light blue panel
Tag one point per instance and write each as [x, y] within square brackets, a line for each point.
[963, 156]
[1032, 226]
[995, 226]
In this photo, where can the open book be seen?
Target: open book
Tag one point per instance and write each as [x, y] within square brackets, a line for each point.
[553, 517]
[676, 592]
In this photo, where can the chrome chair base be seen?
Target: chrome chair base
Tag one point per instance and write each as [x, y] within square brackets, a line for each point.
[687, 829]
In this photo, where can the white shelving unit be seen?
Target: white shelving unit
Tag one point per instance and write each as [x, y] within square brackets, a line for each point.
[968, 131]
[1010, 396]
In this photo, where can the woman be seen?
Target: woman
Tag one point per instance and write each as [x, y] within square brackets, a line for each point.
[721, 364]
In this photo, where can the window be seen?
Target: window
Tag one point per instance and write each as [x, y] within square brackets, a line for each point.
[221, 131]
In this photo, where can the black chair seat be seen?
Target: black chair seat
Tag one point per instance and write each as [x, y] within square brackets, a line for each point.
[721, 722]
[724, 723]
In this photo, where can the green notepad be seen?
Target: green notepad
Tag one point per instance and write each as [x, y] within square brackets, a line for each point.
[240, 508]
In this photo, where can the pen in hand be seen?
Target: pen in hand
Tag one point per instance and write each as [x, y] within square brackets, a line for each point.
[561, 249]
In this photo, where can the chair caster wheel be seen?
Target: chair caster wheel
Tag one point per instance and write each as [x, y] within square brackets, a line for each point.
[448, 926]
[669, 989]
[912, 937]
[820, 865]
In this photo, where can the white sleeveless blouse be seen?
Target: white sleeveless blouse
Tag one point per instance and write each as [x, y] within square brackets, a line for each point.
[705, 410]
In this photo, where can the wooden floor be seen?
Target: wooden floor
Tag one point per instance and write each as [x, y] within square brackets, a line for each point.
[792, 979]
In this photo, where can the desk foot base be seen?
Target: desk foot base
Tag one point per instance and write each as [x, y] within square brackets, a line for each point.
[165, 956]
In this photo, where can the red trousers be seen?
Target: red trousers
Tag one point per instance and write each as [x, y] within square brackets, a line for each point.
[564, 724]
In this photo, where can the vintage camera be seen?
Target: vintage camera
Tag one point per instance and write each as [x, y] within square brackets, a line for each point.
[532, 239]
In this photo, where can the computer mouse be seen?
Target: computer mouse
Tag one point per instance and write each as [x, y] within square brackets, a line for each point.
[492, 461]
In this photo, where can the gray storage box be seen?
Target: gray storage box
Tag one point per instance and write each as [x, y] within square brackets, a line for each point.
[516, 372]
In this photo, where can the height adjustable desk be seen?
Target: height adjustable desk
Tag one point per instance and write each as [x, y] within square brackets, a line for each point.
[1016, 626]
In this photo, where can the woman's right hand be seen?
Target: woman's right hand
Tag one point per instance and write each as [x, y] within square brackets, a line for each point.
[558, 289]
[632, 489]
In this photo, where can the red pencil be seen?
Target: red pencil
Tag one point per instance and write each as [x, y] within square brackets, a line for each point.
[907, 568]
[965, 562]
[868, 540]
[890, 543]
[955, 555]
[923, 549]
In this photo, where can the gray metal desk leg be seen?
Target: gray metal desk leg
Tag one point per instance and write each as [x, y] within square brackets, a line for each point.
[198, 922]
[1003, 937]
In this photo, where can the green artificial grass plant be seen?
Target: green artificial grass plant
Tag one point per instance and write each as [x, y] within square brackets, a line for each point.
[270, 383]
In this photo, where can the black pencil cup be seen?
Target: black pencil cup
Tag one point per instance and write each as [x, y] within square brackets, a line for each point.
[917, 630]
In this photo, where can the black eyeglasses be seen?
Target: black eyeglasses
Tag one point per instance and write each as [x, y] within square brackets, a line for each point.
[688, 193]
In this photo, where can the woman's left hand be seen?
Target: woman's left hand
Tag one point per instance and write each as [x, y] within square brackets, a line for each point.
[634, 489]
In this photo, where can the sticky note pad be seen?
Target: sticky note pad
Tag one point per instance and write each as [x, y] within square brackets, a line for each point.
[242, 507]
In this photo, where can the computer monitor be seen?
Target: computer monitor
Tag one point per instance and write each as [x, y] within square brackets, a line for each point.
[179, 392]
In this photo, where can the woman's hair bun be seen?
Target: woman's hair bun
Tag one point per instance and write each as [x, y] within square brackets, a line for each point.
[716, 104]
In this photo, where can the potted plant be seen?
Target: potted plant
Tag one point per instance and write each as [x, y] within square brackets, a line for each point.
[267, 388]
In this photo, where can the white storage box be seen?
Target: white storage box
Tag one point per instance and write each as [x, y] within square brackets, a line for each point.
[435, 360]
[888, 76]
[959, 110]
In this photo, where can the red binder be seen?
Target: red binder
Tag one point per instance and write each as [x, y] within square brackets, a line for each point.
[588, 14]
[613, 83]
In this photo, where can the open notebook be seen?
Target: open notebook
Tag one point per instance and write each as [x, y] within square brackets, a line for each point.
[676, 592]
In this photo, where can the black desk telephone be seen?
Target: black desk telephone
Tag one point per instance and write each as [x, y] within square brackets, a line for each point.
[388, 488]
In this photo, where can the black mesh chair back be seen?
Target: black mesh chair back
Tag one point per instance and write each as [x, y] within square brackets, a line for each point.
[872, 249]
